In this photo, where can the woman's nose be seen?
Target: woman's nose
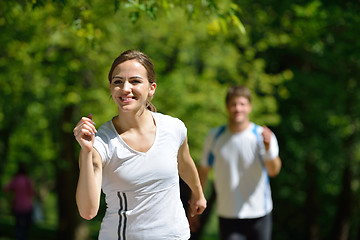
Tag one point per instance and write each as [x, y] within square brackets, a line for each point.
[126, 86]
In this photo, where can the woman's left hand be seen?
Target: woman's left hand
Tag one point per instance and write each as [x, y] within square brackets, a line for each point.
[197, 205]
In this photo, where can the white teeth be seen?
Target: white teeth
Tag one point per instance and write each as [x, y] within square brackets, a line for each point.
[125, 99]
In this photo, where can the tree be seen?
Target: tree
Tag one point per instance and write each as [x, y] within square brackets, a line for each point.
[319, 130]
[58, 66]
[301, 60]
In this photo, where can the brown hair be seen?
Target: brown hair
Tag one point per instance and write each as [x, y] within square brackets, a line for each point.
[237, 91]
[144, 60]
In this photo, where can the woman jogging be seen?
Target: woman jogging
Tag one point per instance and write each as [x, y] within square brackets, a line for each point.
[136, 159]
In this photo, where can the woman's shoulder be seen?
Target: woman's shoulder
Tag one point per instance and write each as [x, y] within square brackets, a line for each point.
[106, 130]
[166, 119]
[106, 126]
[170, 124]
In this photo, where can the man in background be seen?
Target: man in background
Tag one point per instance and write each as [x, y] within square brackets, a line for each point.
[243, 156]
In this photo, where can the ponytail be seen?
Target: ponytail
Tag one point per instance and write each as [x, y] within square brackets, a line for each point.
[150, 106]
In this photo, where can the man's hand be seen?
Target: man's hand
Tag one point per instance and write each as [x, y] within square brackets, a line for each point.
[267, 137]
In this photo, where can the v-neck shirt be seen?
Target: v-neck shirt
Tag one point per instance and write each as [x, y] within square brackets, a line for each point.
[123, 142]
[142, 188]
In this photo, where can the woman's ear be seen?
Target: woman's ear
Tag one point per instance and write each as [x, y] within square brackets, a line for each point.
[152, 89]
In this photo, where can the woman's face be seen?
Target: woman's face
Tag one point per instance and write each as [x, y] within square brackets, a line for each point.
[130, 87]
[239, 109]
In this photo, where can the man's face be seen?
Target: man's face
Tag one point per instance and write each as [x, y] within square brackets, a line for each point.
[239, 109]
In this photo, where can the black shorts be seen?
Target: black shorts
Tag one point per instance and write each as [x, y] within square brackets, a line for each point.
[246, 229]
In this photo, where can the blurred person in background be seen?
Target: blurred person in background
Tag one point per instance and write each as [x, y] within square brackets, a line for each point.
[243, 155]
[22, 201]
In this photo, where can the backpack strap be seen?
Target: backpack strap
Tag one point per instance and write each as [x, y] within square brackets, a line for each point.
[211, 157]
[262, 163]
[258, 138]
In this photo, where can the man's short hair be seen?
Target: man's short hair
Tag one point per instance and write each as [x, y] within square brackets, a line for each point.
[237, 91]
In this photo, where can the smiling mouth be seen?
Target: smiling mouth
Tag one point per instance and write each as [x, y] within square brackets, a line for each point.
[125, 99]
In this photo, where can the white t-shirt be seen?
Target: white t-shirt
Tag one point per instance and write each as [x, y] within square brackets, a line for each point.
[142, 189]
[241, 180]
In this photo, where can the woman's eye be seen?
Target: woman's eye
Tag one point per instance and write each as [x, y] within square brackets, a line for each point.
[135, 81]
[117, 82]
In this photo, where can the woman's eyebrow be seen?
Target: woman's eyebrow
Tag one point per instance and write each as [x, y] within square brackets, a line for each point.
[136, 77]
[132, 77]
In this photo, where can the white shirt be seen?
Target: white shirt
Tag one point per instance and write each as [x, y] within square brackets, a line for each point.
[142, 189]
[241, 180]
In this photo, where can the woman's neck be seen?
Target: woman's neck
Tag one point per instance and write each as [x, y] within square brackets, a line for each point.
[126, 121]
[138, 132]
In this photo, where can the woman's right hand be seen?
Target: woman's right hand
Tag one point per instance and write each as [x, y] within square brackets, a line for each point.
[84, 132]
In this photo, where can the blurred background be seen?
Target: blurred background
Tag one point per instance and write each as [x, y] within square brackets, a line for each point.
[301, 59]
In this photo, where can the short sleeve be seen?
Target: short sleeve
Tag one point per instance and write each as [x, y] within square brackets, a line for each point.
[172, 125]
[182, 132]
[101, 144]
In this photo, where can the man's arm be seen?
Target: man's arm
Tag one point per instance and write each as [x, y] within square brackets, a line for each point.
[203, 174]
[273, 166]
[272, 161]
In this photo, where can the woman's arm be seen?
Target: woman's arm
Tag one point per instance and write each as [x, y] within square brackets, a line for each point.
[90, 163]
[88, 190]
[188, 172]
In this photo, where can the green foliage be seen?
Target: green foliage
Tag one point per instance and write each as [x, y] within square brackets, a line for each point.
[47, 68]
[300, 59]
[319, 127]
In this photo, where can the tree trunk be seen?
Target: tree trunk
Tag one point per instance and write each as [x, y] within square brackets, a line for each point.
[66, 180]
[4, 149]
[342, 219]
[346, 207]
[312, 203]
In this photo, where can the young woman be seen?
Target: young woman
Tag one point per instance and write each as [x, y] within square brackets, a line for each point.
[136, 158]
